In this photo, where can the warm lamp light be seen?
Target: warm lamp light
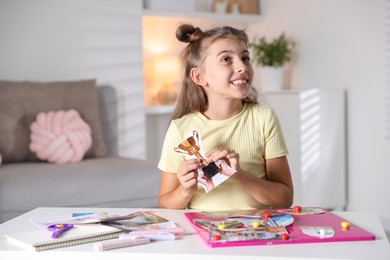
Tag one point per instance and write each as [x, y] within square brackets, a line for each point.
[166, 69]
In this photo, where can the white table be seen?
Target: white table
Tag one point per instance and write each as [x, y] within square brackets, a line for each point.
[190, 246]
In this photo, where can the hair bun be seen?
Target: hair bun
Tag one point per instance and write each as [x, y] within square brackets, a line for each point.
[188, 33]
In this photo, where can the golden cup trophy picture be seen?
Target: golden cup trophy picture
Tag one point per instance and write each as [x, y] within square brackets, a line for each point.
[191, 147]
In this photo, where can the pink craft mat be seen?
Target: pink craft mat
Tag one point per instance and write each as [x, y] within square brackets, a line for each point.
[327, 218]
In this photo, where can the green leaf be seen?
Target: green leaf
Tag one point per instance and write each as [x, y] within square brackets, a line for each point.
[272, 54]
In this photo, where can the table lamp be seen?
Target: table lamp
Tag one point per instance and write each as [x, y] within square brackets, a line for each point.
[166, 70]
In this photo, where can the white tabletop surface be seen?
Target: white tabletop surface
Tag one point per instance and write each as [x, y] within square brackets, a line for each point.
[190, 246]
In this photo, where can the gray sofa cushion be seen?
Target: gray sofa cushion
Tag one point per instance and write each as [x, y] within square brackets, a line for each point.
[21, 101]
[109, 117]
[95, 182]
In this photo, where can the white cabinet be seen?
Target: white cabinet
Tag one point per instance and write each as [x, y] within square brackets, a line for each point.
[157, 122]
[314, 126]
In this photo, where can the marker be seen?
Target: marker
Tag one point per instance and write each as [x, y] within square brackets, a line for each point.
[151, 236]
[176, 231]
[119, 243]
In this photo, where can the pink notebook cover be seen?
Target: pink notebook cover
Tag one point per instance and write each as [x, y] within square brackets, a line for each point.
[354, 233]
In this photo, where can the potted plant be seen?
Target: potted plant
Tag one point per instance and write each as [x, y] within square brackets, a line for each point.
[272, 56]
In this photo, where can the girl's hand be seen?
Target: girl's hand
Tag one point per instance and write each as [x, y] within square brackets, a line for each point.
[208, 183]
[225, 153]
[188, 174]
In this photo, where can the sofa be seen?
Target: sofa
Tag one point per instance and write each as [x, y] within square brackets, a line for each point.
[101, 179]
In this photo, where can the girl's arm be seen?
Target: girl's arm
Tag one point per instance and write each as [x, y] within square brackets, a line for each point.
[276, 190]
[176, 190]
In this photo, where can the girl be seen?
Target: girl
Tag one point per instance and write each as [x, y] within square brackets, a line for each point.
[218, 100]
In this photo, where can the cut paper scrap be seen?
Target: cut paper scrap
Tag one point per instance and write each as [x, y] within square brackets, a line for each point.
[284, 220]
[318, 231]
[60, 136]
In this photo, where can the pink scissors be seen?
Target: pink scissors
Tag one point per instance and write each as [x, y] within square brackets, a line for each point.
[58, 229]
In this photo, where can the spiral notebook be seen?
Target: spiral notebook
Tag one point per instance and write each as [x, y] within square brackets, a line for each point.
[40, 240]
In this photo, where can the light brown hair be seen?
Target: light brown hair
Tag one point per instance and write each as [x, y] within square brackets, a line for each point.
[192, 97]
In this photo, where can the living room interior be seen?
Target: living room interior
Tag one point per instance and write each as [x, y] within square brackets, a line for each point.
[339, 45]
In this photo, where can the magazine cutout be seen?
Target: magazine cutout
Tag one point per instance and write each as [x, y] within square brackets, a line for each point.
[211, 174]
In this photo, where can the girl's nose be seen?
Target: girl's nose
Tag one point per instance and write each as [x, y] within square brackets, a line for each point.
[241, 67]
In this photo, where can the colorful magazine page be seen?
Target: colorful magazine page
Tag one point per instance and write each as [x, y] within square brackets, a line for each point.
[226, 223]
[139, 217]
[211, 174]
[142, 221]
[145, 218]
[103, 218]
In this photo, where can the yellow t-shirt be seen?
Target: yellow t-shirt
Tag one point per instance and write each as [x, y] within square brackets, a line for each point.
[255, 134]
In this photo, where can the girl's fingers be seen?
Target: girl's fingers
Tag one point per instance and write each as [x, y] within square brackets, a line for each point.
[188, 173]
[233, 156]
[219, 153]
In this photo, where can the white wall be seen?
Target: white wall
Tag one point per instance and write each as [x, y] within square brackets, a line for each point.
[45, 40]
[341, 44]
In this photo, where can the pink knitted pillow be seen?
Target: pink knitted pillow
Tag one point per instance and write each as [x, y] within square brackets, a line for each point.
[60, 137]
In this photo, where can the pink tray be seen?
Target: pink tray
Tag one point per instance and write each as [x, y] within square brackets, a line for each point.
[354, 233]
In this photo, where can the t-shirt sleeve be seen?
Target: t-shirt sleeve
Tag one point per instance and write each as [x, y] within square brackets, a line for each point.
[275, 145]
[170, 161]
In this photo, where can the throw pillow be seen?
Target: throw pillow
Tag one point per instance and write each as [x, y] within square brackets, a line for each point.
[21, 101]
[60, 137]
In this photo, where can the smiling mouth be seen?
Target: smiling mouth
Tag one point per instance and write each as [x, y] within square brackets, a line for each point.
[239, 82]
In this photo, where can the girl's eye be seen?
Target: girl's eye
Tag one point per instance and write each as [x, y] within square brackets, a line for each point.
[226, 59]
[246, 59]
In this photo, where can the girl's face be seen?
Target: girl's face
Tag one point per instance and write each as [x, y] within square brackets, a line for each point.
[226, 72]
